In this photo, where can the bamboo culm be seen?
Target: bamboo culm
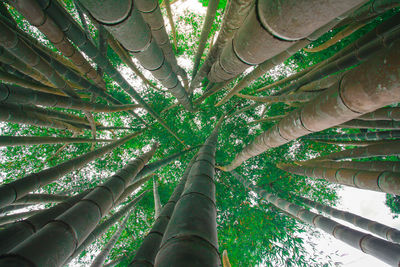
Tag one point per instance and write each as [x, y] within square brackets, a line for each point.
[37, 140]
[82, 218]
[147, 251]
[17, 189]
[192, 237]
[355, 95]
[383, 250]
[73, 31]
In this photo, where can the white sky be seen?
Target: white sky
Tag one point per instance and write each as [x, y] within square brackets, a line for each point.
[365, 203]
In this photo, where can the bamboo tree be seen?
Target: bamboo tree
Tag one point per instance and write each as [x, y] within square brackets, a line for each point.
[348, 57]
[297, 97]
[13, 207]
[16, 94]
[183, 242]
[9, 59]
[321, 84]
[235, 13]
[350, 29]
[75, 34]
[388, 113]
[138, 40]
[386, 148]
[157, 201]
[17, 216]
[16, 114]
[205, 32]
[37, 140]
[171, 22]
[374, 246]
[391, 166]
[147, 251]
[9, 78]
[211, 89]
[41, 198]
[151, 13]
[371, 124]
[380, 181]
[367, 136]
[82, 218]
[358, 95]
[17, 189]
[34, 14]
[16, 233]
[374, 227]
[103, 227]
[351, 143]
[81, 15]
[101, 258]
[253, 44]
[125, 57]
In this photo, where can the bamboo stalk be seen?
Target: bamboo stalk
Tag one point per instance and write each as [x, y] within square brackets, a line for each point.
[379, 248]
[82, 218]
[205, 32]
[380, 181]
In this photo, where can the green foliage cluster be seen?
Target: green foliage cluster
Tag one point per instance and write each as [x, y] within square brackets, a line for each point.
[252, 231]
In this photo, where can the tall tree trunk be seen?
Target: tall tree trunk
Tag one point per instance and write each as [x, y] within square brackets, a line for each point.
[157, 201]
[126, 58]
[103, 227]
[388, 113]
[16, 233]
[321, 84]
[101, 258]
[17, 189]
[13, 207]
[56, 244]
[16, 114]
[10, 78]
[183, 242]
[16, 94]
[391, 166]
[374, 227]
[297, 97]
[147, 251]
[205, 32]
[376, 247]
[41, 198]
[253, 44]
[371, 124]
[355, 95]
[37, 140]
[138, 40]
[151, 13]
[171, 22]
[9, 59]
[75, 34]
[380, 181]
[383, 149]
[34, 14]
[235, 13]
[17, 216]
[366, 136]
[351, 143]
[350, 29]
[349, 58]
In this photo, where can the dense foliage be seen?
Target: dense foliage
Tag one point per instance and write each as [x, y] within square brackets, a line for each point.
[252, 231]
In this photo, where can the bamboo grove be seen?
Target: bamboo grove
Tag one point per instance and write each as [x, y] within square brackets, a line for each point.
[136, 133]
